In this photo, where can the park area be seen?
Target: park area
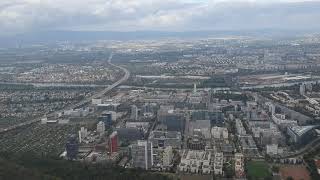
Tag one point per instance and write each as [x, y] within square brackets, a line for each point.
[294, 172]
[258, 170]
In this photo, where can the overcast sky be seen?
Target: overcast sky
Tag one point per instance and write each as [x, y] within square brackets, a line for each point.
[18, 16]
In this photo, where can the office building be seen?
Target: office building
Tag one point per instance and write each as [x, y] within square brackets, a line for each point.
[302, 89]
[83, 133]
[113, 142]
[166, 138]
[134, 112]
[142, 155]
[72, 148]
[107, 117]
[172, 120]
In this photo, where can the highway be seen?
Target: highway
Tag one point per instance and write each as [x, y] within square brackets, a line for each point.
[83, 102]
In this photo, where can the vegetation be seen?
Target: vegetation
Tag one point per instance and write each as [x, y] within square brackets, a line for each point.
[309, 159]
[214, 82]
[258, 170]
[31, 167]
[234, 97]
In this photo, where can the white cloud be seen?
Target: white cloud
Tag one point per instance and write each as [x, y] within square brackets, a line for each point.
[125, 15]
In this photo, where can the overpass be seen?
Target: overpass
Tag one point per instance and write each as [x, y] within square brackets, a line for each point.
[83, 102]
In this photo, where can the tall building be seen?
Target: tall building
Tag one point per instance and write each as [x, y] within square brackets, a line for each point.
[172, 120]
[147, 110]
[113, 142]
[72, 147]
[302, 89]
[83, 133]
[309, 87]
[134, 112]
[142, 154]
[101, 128]
[107, 117]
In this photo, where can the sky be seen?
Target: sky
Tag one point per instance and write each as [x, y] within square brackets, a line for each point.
[21, 16]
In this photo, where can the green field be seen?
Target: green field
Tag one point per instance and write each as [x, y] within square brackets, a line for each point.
[257, 170]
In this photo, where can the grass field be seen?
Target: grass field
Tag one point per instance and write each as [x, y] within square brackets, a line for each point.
[258, 169]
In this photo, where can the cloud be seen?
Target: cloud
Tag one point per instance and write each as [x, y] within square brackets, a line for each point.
[18, 16]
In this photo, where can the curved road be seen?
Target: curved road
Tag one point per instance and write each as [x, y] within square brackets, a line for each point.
[305, 150]
[83, 102]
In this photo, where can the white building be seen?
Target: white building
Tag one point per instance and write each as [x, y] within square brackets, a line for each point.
[302, 89]
[83, 133]
[239, 127]
[101, 128]
[96, 101]
[219, 132]
[134, 112]
[194, 161]
[218, 164]
[167, 156]
[280, 119]
[273, 149]
[44, 120]
[239, 165]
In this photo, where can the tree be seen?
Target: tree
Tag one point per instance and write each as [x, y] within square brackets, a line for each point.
[290, 178]
[275, 169]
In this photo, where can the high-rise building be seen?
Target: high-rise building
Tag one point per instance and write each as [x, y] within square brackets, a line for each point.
[309, 87]
[107, 117]
[83, 133]
[302, 89]
[172, 120]
[113, 142]
[72, 147]
[134, 112]
[142, 154]
[101, 128]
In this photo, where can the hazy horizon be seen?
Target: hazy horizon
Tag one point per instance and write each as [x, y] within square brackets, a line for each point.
[30, 16]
